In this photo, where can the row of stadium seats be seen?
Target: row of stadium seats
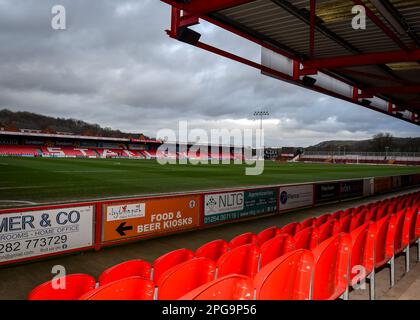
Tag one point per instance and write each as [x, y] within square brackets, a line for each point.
[319, 258]
[71, 152]
[19, 151]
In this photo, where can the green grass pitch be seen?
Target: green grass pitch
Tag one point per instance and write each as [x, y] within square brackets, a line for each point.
[41, 180]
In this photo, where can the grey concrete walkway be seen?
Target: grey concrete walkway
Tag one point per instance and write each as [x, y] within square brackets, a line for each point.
[16, 282]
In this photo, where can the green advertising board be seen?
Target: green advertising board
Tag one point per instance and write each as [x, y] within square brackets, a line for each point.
[228, 206]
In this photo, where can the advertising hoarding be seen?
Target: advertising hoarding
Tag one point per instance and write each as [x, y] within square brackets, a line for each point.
[32, 234]
[228, 206]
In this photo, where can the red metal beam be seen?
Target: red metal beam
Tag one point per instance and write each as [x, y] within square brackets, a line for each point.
[289, 79]
[202, 7]
[363, 59]
[295, 79]
[376, 20]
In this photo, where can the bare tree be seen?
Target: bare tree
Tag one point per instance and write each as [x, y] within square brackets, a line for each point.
[382, 142]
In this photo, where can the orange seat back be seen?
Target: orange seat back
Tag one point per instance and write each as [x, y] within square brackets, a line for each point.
[286, 278]
[133, 288]
[231, 287]
[70, 287]
[132, 268]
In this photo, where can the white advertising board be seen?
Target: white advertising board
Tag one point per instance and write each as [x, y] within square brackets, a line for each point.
[223, 202]
[43, 232]
[296, 197]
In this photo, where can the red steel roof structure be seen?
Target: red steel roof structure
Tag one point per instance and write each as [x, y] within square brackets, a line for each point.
[311, 43]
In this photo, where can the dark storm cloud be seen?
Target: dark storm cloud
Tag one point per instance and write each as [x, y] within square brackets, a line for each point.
[116, 66]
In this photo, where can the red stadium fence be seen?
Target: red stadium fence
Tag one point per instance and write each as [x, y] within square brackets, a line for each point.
[38, 232]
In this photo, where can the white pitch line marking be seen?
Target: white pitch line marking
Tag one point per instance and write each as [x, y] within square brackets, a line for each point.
[25, 187]
[16, 201]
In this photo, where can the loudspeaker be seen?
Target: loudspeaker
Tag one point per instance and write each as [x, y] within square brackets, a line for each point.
[366, 102]
[188, 36]
[308, 81]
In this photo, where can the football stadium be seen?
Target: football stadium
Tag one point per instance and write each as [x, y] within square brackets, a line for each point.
[92, 213]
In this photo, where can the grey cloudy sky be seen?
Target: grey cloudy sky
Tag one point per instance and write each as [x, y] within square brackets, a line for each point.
[115, 65]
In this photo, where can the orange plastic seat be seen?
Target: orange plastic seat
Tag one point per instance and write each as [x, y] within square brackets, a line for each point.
[308, 223]
[133, 288]
[241, 260]
[307, 239]
[291, 228]
[132, 268]
[276, 247]
[363, 256]
[267, 234]
[231, 287]
[286, 278]
[73, 287]
[185, 277]
[212, 250]
[169, 260]
[331, 271]
[328, 230]
[242, 239]
[322, 220]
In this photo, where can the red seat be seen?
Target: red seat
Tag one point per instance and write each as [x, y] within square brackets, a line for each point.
[231, 287]
[397, 221]
[369, 217]
[307, 238]
[331, 272]
[328, 229]
[363, 256]
[409, 233]
[322, 220]
[133, 268]
[384, 244]
[242, 239]
[337, 215]
[357, 220]
[286, 278]
[241, 260]
[70, 287]
[382, 212]
[212, 250]
[308, 223]
[276, 247]
[345, 224]
[393, 207]
[373, 213]
[133, 288]
[347, 212]
[291, 228]
[169, 260]
[267, 234]
[185, 277]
